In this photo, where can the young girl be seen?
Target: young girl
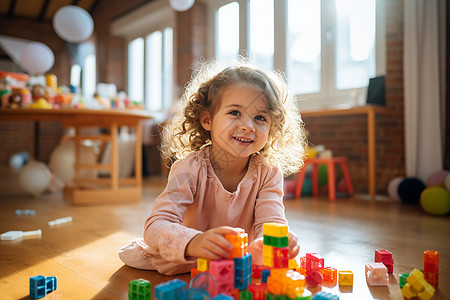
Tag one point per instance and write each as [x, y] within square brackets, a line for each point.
[239, 132]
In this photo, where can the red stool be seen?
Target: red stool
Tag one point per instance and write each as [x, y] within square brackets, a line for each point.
[330, 163]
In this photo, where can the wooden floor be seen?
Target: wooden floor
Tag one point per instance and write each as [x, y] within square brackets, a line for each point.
[83, 254]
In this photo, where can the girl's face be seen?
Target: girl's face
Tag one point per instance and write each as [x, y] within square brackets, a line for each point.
[241, 125]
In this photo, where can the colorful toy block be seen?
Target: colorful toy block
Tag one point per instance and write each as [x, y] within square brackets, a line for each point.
[275, 229]
[60, 221]
[329, 274]
[431, 267]
[257, 269]
[325, 296]
[280, 257]
[29, 212]
[276, 241]
[258, 290]
[223, 272]
[402, 279]
[314, 262]
[345, 277]
[171, 290]
[264, 275]
[222, 297]
[51, 283]
[245, 295]
[385, 257]
[202, 264]
[17, 234]
[417, 286]
[292, 264]
[242, 271]
[315, 278]
[376, 274]
[239, 243]
[38, 287]
[139, 289]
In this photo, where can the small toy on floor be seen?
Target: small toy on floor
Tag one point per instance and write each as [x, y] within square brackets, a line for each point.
[17, 234]
[40, 286]
[28, 212]
[60, 221]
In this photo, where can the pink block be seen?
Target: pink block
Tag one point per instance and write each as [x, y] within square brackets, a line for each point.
[223, 272]
[377, 274]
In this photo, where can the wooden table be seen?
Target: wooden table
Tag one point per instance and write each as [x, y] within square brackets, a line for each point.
[95, 190]
[371, 112]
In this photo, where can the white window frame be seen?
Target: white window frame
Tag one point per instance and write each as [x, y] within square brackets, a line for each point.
[328, 97]
[155, 16]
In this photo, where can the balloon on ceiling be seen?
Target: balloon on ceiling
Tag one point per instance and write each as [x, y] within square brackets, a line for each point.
[181, 5]
[73, 24]
[36, 58]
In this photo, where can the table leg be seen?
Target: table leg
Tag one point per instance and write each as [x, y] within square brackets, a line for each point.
[371, 151]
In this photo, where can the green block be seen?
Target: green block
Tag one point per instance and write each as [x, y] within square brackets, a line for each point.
[270, 296]
[279, 242]
[245, 295]
[402, 279]
[139, 289]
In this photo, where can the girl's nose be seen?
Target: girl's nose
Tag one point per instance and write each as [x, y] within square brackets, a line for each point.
[247, 125]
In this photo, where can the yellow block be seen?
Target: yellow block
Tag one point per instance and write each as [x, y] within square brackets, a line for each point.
[345, 277]
[275, 229]
[202, 264]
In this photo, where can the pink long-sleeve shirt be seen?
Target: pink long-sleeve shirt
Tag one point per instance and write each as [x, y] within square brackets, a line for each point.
[194, 201]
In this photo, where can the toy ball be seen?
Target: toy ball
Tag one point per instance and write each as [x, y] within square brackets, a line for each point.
[73, 24]
[393, 188]
[437, 178]
[435, 200]
[410, 189]
[18, 160]
[62, 160]
[447, 182]
[34, 178]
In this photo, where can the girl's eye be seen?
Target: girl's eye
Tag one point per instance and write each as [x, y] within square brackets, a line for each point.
[260, 118]
[235, 113]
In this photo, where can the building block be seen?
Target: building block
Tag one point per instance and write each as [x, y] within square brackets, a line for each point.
[223, 272]
[222, 297]
[239, 243]
[258, 290]
[329, 274]
[280, 257]
[385, 257]
[257, 269]
[276, 241]
[275, 229]
[431, 261]
[314, 262]
[402, 279]
[306, 295]
[202, 264]
[38, 288]
[292, 264]
[245, 295]
[270, 296]
[171, 290]
[242, 271]
[345, 277]
[60, 221]
[376, 274]
[139, 289]
[432, 278]
[315, 278]
[50, 283]
[264, 275]
[417, 286]
[325, 296]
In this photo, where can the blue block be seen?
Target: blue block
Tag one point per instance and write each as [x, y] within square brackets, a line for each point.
[171, 290]
[244, 262]
[242, 283]
[325, 296]
[50, 283]
[264, 275]
[222, 297]
[37, 287]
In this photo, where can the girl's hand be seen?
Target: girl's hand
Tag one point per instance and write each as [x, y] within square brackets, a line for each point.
[211, 244]
[294, 247]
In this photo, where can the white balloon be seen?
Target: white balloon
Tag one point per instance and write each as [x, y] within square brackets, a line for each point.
[62, 159]
[73, 24]
[181, 5]
[34, 178]
[36, 58]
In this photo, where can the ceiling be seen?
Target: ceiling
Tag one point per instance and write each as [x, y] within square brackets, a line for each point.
[41, 10]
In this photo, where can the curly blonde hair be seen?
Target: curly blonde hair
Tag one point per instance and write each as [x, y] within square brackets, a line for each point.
[183, 134]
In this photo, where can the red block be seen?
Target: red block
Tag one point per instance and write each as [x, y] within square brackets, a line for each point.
[256, 270]
[280, 257]
[258, 290]
[432, 278]
[313, 262]
[384, 256]
[314, 279]
[431, 261]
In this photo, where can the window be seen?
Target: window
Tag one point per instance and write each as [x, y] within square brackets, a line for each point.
[149, 33]
[328, 49]
[149, 62]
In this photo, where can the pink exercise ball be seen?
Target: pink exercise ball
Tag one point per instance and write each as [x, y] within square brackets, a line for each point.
[437, 178]
[393, 188]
